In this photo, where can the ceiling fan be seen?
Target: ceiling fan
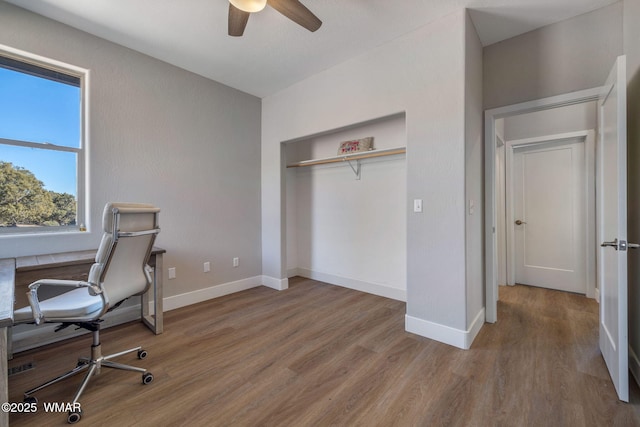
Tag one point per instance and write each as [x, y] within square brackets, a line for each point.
[239, 11]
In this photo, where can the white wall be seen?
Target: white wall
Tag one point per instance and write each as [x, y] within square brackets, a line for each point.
[632, 50]
[162, 135]
[564, 57]
[346, 231]
[422, 74]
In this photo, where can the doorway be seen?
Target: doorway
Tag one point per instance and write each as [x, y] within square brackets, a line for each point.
[611, 206]
[549, 210]
[491, 116]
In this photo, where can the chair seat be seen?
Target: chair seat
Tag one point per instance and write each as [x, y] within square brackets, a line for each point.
[75, 303]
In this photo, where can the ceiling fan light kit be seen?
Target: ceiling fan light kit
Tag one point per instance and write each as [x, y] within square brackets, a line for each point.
[239, 11]
[249, 5]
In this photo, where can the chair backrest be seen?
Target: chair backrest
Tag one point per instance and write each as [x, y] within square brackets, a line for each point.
[129, 231]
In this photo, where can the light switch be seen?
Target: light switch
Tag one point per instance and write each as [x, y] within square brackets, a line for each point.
[417, 205]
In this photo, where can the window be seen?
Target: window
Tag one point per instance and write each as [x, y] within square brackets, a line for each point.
[42, 147]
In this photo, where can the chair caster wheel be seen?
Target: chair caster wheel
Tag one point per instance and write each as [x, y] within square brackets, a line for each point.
[73, 417]
[147, 378]
[30, 399]
[142, 354]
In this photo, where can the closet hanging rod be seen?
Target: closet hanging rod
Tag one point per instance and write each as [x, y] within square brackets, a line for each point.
[352, 156]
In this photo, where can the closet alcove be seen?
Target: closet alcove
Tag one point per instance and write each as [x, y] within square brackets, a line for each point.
[346, 216]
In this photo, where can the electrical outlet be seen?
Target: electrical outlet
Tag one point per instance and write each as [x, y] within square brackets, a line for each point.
[207, 267]
[172, 273]
[236, 261]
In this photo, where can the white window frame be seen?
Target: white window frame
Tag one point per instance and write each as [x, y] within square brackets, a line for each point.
[82, 199]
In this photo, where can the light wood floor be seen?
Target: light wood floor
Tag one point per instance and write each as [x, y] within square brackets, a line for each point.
[318, 355]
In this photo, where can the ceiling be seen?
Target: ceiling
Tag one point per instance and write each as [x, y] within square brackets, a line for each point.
[275, 53]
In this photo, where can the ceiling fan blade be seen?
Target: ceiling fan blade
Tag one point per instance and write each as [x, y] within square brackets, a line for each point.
[297, 12]
[237, 21]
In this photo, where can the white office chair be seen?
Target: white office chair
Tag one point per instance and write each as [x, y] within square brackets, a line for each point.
[120, 271]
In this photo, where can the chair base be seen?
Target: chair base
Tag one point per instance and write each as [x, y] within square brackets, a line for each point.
[92, 365]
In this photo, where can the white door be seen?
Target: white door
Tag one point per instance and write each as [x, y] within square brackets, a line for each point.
[612, 230]
[549, 215]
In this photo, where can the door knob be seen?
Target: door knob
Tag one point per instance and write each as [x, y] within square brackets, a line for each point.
[621, 245]
[518, 222]
[613, 244]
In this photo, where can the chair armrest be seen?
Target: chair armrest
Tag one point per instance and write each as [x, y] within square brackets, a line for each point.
[65, 283]
[32, 295]
[147, 272]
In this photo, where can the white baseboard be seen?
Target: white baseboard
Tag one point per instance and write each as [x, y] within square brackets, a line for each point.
[194, 297]
[273, 283]
[474, 329]
[634, 365]
[445, 334]
[597, 296]
[358, 285]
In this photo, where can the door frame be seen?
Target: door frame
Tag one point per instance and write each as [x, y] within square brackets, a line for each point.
[490, 117]
[586, 137]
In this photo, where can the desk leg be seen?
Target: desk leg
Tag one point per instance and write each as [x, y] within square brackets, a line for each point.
[154, 322]
[9, 342]
[4, 382]
[158, 284]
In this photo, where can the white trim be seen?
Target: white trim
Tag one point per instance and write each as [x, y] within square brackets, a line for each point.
[474, 329]
[446, 334]
[560, 137]
[591, 232]
[358, 285]
[490, 117]
[42, 61]
[194, 297]
[273, 283]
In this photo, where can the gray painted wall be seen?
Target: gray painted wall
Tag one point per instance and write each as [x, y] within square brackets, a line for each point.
[162, 135]
[565, 57]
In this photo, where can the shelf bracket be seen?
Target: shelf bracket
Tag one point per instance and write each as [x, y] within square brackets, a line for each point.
[355, 170]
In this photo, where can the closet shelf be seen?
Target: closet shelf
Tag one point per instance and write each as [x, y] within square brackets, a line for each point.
[348, 157]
